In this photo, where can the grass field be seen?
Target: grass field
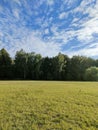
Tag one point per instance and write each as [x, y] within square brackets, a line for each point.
[32, 105]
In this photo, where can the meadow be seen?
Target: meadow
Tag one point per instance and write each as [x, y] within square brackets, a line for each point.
[44, 105]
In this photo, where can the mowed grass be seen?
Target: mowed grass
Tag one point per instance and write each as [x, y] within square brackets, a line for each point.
[43, 105]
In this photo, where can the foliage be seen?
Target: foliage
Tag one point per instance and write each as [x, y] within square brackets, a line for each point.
[78, 66]
[5, 65]
[35, 67]
[21, 64]
[91, 74]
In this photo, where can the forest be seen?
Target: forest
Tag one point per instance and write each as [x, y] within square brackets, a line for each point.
[32, 66]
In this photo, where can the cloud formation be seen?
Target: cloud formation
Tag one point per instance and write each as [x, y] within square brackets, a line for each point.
[49, 26]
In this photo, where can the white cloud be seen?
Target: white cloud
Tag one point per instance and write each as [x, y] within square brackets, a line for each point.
[87, 51]
[1, 8]
[23, 37]
[63, 15]
[50, 2]
[32, 43]
[69, 3]
[87, 26]
[85, 7]
[18, 2]
[88, 29]
[16, 13]
[1, 34]
[46, 31]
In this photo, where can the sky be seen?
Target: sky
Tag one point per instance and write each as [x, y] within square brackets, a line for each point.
[49, 27]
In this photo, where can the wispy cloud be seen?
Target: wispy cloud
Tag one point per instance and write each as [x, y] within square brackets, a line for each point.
[63, 15]
[50, 2]
[87, 51]
[50, 26]
[16, 13]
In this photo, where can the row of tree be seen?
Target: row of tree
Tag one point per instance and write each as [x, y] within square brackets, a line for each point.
[33, 66]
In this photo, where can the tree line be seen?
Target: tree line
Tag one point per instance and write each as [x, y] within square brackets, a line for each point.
[32, 66]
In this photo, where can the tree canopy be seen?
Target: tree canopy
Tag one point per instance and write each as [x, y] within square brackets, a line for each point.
[35, 67]
[91, 74]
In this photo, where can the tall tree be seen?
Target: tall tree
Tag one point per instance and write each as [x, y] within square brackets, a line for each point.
[91, 74]
[33, 66]
[21, 59]
[34, 61]
[5, 64]
[46, 69]
[78, 66]
[60, 64]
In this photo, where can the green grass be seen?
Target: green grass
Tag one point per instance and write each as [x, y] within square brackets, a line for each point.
[33, 105]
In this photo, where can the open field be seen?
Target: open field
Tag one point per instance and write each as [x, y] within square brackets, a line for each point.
[33, 105]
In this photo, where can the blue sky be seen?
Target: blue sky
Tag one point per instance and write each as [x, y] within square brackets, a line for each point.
[50, 26]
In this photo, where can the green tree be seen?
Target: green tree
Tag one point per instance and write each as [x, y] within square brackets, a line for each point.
[61, 64]
[46, 69]
[33, 66]
[78, 65]
[21, 59]
[34, 61]
[5, 65]
[91, 74]
[96, 63]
